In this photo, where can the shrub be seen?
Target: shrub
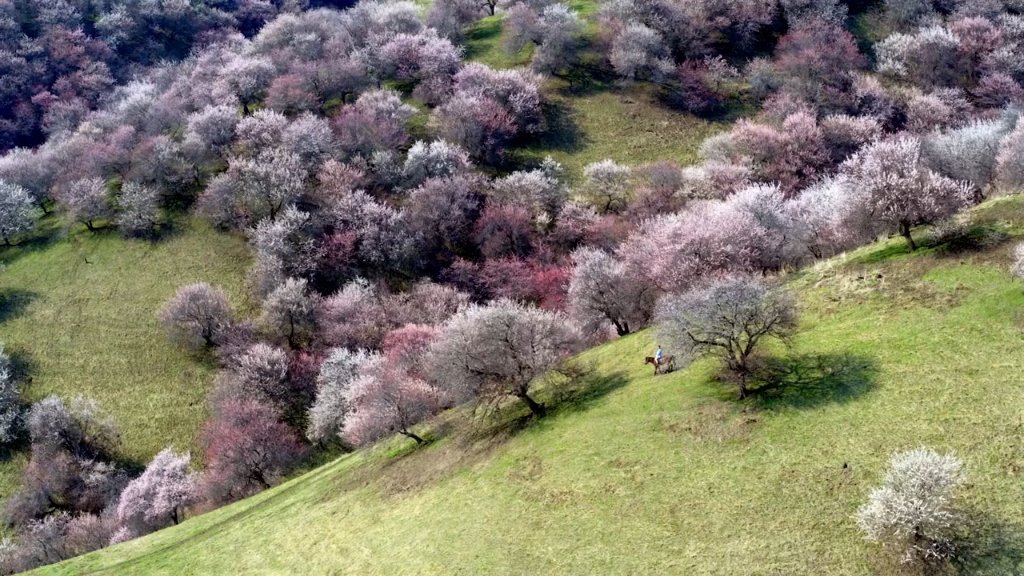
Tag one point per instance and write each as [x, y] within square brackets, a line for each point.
[726, 319]
[913, 512]
[196, 315]
[17, 214]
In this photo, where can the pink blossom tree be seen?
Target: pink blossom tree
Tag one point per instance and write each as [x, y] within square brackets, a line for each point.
[247, 450]
[159, 496]
[898, 191]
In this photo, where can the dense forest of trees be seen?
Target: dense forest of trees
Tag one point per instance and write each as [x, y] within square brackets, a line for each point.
[405, 262]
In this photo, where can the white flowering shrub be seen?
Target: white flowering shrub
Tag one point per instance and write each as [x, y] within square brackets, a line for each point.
[914, 511]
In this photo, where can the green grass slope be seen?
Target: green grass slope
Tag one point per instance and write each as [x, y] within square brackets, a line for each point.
[595, 118]
[78, 313]
[670, 475]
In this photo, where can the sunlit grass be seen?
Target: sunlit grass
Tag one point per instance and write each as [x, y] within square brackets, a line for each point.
[78, 315]
[670, 474]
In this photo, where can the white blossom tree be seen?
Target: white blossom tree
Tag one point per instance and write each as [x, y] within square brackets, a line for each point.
[17, 214]
[331, 407]
[288, 312]
[499, 350]
[602, 291]
[897, 191]
[196, 315]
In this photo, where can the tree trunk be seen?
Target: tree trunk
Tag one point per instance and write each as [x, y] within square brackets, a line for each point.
[412, 435]
[743, 385]
[905, 232]
[538, 409]
[622, 328]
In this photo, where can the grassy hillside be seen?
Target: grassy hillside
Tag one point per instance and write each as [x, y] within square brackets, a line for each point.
[596, 118]
[637, 474]
[78, 314]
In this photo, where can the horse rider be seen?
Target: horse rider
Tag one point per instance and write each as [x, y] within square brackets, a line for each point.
[657, 356]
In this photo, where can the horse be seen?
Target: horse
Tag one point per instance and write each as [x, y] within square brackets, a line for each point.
[667, 364]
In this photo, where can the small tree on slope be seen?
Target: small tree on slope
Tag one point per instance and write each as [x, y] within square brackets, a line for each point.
[728, 318]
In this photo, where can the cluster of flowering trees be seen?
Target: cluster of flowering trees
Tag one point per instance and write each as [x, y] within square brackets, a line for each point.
[403, 267]
[59, 58]
[77, 496]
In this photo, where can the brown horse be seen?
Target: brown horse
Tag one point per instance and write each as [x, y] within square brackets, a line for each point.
[667, 364]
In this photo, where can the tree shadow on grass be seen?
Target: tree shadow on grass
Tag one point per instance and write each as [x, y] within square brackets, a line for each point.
[990, 546]
[14, 301]
[959, 242]
[477, 36]
[561, 132]
[48, 231]
[811, 380]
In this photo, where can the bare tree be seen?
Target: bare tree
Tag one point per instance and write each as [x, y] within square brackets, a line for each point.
[727, 319]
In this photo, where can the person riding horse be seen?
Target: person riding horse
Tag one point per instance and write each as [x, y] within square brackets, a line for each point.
[661, 362]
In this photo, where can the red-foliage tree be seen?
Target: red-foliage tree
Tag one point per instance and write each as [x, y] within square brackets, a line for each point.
[247, 450]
